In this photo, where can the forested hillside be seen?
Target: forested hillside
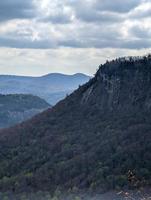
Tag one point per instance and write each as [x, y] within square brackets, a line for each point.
[98, 138]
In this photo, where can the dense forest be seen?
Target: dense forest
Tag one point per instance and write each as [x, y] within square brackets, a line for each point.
[96, 139]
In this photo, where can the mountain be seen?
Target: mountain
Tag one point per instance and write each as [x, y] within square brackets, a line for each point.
[97, 138]
[52, 87]
[16, 108]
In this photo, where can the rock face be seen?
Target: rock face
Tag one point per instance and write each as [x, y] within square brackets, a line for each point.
[123, 84]
[99, 137]
[17, 108]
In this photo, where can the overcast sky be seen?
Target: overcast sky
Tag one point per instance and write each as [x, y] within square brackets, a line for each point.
[69, 36]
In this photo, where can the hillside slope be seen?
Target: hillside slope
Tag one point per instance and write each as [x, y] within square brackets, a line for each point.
[19, 107]
[51, 87]
[96, 138]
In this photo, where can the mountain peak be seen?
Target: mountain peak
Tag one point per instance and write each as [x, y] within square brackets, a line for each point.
[123, 63]
[90, 140]
[121, 84]
[65, 75]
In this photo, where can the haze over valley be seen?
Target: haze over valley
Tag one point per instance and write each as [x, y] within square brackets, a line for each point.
[51, 87]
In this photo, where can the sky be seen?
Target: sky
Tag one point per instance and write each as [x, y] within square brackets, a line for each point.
[70, 36]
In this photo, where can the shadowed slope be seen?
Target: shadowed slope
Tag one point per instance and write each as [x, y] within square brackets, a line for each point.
[89, 140]
[15, 108]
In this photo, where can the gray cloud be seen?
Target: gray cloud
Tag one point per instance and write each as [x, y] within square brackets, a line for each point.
[116, 5]
[140, 32]
[26, 43]
[98, 43]
[98, 17]
[76, 24]
[143, 11]
[103, 11]
[57, 19]
[103, 43]
[13, 9]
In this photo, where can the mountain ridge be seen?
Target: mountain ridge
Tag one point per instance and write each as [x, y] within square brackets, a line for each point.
[90, 140]
[49, 74]
[51, 87]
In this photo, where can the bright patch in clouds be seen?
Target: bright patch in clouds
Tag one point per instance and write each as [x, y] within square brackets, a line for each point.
[43, 36]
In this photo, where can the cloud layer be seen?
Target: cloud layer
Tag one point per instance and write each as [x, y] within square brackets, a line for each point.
[76, 24]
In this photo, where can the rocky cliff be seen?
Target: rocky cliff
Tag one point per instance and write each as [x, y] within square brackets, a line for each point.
[99, 137]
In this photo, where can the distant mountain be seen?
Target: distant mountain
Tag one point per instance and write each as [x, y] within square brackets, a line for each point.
[98, 138]
[16, 108]
[52, 87]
